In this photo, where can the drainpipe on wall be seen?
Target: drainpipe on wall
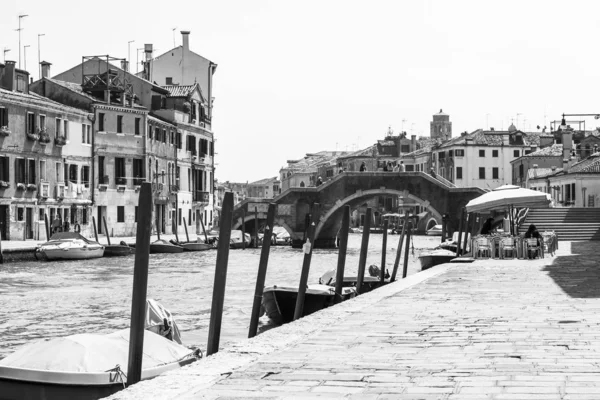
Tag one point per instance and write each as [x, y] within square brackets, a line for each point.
[92, 149]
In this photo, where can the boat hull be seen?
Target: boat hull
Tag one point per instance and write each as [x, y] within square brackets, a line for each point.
[118, 250]
[156, 248]
[73, 253]
[429, 260]
[280, 302]
[193, 246]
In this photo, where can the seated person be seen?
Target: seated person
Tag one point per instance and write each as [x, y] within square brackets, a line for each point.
[532, 232]
[487, 227]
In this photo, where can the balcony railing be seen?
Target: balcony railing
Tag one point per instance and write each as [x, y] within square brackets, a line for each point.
[202, 197]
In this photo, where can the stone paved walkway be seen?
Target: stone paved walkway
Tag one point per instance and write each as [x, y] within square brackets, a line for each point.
[488, 330]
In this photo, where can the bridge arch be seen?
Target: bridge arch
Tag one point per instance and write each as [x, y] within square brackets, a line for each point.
[370, 193]
[278, 222]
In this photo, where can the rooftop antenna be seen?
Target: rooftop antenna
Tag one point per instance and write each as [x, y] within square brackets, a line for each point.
[25, 56]
[39, 57]
[6, 50]
[137, 60]
[129, 54]
[518, 120]
[21, 16]
[174, 37]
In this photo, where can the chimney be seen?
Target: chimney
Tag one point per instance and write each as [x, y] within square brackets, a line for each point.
[125, 65]
[148, 51]
[567, 142]
[413, 142]
[8, 80]
[45, 69]
[147, 74]
[185, 36]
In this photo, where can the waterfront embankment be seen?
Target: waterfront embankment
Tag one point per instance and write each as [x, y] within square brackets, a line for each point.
[494, 329]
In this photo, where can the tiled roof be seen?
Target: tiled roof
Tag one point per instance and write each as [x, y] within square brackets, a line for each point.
[590, 165]
[263, 181]
[75, 87]
[367, 152]
[36, 97]
[536, 173]
[180, 90]
[494, 138]
[555, 150]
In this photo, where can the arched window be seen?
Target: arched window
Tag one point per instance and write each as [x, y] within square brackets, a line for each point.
[302, 184]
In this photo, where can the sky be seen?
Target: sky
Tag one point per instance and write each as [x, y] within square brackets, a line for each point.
[297, 77]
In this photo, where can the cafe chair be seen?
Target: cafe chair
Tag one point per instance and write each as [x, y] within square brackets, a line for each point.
[508, 244]
[482, 247]
[534, 248]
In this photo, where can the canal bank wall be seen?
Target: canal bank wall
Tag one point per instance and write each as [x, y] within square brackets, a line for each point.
[238, 355]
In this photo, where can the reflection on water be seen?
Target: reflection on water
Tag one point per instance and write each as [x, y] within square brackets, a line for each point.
[50, 299]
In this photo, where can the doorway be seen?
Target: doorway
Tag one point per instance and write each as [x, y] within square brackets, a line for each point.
[99, 222]
[28, 223]
[4, 222]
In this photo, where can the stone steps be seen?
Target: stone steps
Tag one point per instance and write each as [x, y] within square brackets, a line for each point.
[568, 223]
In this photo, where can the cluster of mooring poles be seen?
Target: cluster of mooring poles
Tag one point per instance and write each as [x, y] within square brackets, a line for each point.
[467, 221]
[142, 251]
[243, 228]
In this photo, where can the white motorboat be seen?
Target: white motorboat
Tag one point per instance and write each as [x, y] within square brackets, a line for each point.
[435, 230]
[70, 246]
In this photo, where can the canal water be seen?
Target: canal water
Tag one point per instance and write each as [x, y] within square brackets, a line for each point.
[43, 300]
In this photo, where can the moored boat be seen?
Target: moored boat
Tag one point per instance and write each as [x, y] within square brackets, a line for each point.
[279, 302]
[162, 246]
[235, 241]
[369, 282]
[118, 250]
[70, 246]
[435, 230]
[193, 246]
[435, 257]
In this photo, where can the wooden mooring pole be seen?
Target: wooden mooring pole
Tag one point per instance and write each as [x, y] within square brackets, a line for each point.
[262, 271]
[343, 248]
[48, 227]
[308, 249]
[187, 236]
[399, 250]
[460, 228]
[218, 299]
[140, 285]
[467, 229]
[364, 249]
[204, 230]
[95, 230]
[406, 249]
[106, 228]
[243, 229]
[383, 251]
[256, 227]
[175, 230]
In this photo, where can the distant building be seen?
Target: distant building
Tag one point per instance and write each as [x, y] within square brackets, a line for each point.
[265, 188]
[542, 160]
[441, 127]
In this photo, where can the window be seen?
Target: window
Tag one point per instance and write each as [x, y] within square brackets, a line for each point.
[120, 213]
[120, 171]
[441, 156]
[212, 148]
[58, 172]
[102, 179]
[3, 116]
[21, 83]
[495, 173]
[138, 171]
[85, 176]
[179, 216]
[157, 133]
[481, 153]
[30, 122]
[58, 127]
[135, 214]
[409, 168]
[458, 172]
[73, 173]
[20, 212]
[42, 170]
[459, 153]
[481, 172]
[189, 221]
[119, 124]
[66, 130]
[494, 153]
[164, 136]
[20, 170]
[86, 135]
[516, 153]
[42, 124]
[84, 216]
[4, 169]
[138, 122]
[178, 140]
[405, 148]
[149, 131]
[101, 122]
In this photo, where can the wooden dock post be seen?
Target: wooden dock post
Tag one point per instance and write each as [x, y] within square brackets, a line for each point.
[1, 255]
[308, 250]
[399, 250]
[406, 249]
[343, 248]
[466, 240]
[48, 226]
[444, 228]
[460, 228]
[216, 309]
[243, 229]
[364, 249]
[140, 285]
[95, 230]
[256, 227]
[175, 230]
[383, 250]
[204, 230]
[106, 228]
[187, 236]
[262, 271]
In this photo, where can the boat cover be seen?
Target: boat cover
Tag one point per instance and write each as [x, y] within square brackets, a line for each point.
[90, 352]
[69, 236]
[155, 315]
[236, 236]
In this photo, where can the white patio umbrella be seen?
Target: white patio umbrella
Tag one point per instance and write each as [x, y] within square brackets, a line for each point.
[508, 195]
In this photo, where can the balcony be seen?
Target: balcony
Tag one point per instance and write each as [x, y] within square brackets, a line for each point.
[201, 197]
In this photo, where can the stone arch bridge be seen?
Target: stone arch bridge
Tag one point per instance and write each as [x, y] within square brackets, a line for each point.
[353, 188]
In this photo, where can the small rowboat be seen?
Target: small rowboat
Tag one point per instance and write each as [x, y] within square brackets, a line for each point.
[162, 246]
[435, 257]
[192, 246]
[118, 250]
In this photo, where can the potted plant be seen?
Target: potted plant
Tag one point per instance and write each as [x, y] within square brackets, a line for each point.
[44, 136]
[33, 136]
[20, 186]
[4, 184]
[4, 131]
[60, 141]
[32, 187]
